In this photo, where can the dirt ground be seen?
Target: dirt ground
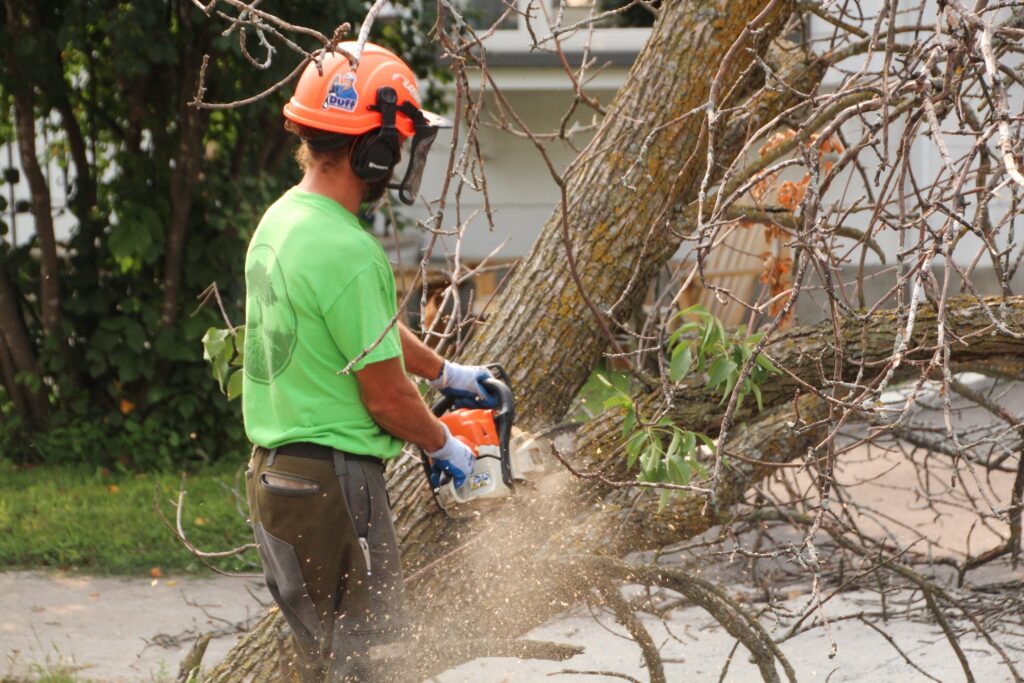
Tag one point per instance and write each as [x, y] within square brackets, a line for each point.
[110, 629]
[129, 630]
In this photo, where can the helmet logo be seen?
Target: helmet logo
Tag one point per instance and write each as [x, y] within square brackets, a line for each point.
[342, 93]
[409, 86]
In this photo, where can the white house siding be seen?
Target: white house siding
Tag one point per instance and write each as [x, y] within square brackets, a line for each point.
[523, 195]
[521, 191]
[20, 224]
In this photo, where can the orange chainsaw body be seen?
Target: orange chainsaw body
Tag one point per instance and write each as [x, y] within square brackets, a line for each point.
[474, 427]
[488, 434]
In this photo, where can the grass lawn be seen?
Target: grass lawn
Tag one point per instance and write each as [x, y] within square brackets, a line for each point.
[95, 521]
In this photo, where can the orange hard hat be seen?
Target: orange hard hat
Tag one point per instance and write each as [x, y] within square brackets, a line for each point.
[336, 98]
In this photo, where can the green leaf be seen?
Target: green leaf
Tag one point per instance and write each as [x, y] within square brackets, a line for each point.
[650, 461]
[768, 366]
[674, 444]
[633, 447]
[709, 337]
[720, 371]
[681, 363]
[221, 366]
[134, 336]
[213, 342]
[239, 342]
[729, 384]
[618, 401]
[663, 498]
[235, 385]
[683, 329]
[689, 443]
[629, 422]
[756, 390]
[679, 470]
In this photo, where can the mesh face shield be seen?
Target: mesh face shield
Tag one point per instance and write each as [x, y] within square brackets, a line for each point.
[426, 126]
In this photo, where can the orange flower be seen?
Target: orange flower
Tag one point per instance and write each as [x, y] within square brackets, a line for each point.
[791, 194]
[776, 140]
[762, 186]
[775, 276]
[126, 406]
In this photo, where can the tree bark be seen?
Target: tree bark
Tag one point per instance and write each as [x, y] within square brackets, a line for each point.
[187, 162]
[19, 348]
[20, 23]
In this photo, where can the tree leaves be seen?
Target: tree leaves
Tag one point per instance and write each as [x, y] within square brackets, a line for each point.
[702, 344]
[682, 362]
[225, 350]
[667, 453]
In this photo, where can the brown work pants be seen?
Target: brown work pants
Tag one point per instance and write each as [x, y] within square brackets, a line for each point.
[326, 539]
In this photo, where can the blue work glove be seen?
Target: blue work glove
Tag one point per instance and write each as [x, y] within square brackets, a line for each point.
[453, 458]
[464, 383]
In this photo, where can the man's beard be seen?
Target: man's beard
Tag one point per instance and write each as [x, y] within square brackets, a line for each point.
[375, 190]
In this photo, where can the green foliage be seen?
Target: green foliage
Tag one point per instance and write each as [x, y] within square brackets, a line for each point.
[663, 451]
[102, 521]
[123, 388]
[702, 344]
[604, 384]
[225, 350]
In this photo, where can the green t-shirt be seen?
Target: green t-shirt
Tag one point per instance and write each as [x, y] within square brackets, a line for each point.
[319, 291]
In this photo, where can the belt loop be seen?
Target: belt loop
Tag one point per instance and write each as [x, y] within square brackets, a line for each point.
[271, 455]
[340, 466]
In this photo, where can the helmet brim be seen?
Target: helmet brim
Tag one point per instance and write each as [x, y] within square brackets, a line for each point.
[436, 120]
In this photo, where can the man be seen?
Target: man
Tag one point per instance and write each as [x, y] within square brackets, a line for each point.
[321, 299]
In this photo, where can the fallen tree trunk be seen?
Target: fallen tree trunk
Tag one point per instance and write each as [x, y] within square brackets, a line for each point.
[493, 562]
[807, 353]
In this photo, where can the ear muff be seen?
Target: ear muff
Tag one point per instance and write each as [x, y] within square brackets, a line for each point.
[376, 153]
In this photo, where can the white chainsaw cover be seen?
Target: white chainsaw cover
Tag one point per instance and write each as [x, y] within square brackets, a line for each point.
[481, 488]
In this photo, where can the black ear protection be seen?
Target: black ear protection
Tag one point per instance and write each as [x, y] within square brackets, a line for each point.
[375, 154]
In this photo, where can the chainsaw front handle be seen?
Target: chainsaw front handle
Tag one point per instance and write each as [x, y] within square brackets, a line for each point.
[506, 401]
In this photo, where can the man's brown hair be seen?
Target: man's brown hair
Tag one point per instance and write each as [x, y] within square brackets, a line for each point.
[307, 154]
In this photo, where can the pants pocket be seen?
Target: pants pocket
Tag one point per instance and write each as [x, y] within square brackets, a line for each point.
[288, 484]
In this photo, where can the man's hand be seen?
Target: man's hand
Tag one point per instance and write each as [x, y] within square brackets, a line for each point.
[464, 383]
[454, 458]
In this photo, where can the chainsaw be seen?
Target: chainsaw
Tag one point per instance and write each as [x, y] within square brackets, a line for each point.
[503, 459]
